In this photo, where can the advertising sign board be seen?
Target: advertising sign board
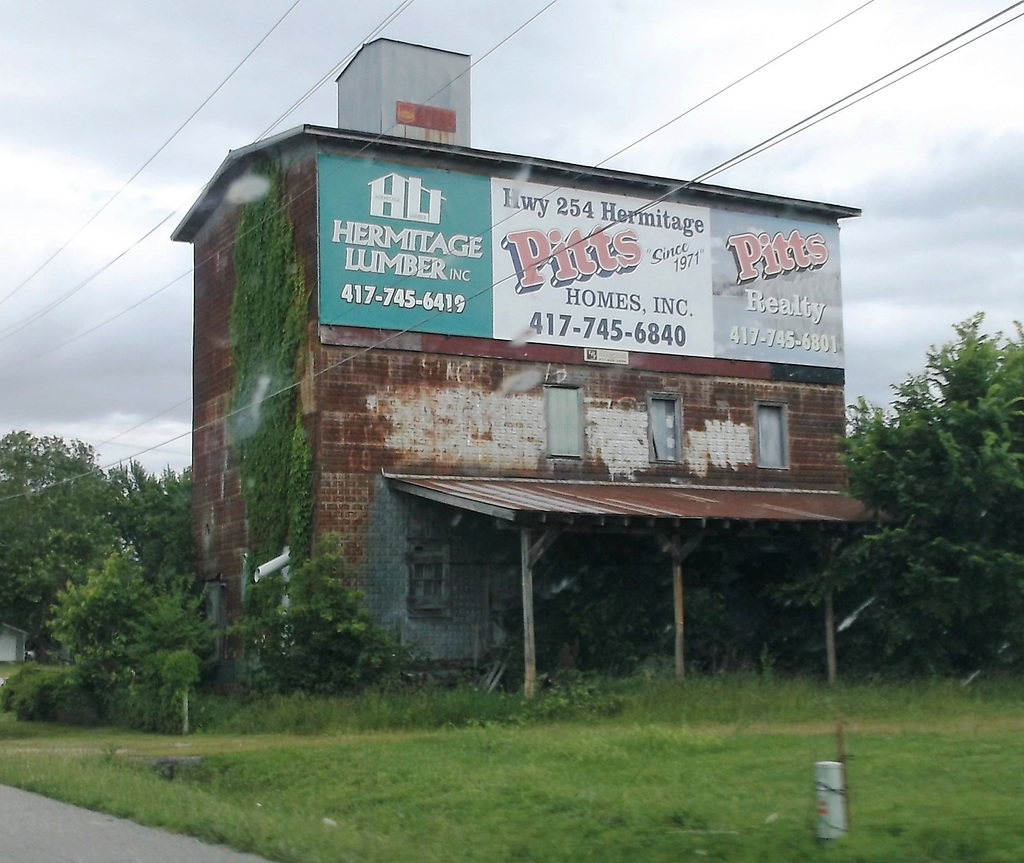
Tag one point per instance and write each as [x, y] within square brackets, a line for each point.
[445, 252]
[776, 290]
[403, 249]
[592, 269]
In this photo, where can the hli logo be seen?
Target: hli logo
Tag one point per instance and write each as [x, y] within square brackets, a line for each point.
[396, 197]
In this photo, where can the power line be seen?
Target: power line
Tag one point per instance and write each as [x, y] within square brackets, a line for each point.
[864, 92]
[829, 111]
[145, 165]
[675, 189]
[728, 87]
[4, 333]
[32, 318]
[472, 65]
[694, 107]
[794, 129]
[379, 28]
[375, 31]
[144, 422]
[81, 335]
[9, 331]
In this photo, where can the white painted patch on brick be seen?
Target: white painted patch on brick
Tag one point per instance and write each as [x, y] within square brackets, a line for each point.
[504, 432]
[618, 437]
[467, 426]
[720, 444]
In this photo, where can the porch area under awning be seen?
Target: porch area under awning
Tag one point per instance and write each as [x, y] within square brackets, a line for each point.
[677, 515]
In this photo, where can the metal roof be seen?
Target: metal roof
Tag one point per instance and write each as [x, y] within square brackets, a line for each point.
[470, 159]
[521, 500]
[13, 628]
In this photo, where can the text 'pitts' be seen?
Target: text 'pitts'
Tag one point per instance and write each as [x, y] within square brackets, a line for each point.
[775, 255]
[572, 258]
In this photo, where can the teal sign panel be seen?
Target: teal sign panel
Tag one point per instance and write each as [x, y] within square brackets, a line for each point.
[404, 247]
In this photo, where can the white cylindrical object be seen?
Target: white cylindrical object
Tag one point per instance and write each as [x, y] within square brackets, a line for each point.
[270, 566]
[830, 799]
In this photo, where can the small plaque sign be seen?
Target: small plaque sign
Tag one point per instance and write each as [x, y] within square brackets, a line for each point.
[604, 355]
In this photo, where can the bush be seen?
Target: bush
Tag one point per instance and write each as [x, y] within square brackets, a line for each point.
[324, 641]
[37, 693]
[572, 695]
[135, 647]
[155, 700]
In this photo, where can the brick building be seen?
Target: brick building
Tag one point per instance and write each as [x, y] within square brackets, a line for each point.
[500, 349]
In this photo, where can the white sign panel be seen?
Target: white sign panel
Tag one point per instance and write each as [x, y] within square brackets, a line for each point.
[777, 291]
[600, 270]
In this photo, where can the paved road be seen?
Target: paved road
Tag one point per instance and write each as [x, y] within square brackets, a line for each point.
[35, 829]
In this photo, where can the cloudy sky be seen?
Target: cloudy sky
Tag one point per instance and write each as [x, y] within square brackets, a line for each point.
[95, 322]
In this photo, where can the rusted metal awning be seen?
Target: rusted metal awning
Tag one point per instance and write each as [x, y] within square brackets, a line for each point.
[524, 501]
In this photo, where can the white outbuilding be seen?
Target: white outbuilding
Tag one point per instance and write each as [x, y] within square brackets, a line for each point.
[12, 643]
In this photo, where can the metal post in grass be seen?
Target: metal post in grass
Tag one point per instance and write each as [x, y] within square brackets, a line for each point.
[832, 798]
[830, 620]
[828, 789]
[841, 751]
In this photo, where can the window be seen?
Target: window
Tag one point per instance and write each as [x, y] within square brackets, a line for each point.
[772, 447]
[564, 407]
[663, 427]
[428, 579]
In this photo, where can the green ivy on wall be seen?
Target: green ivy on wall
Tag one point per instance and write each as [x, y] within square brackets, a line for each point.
[268, 319]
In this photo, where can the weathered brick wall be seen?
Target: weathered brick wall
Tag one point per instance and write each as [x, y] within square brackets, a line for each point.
[401, 411]
[483, 574]
[218, 511]
[218, 515]
[433, 405]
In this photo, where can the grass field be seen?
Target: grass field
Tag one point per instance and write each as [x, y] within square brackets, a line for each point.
[711, 770]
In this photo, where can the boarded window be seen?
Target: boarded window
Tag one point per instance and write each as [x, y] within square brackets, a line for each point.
[772, 447]
[428, 579]
[565, 421]
[663, 418]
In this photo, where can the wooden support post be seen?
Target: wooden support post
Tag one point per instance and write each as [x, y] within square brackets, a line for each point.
[677, 590]
[830, 620]
[530, 552]
[830, 638]
[529, 650]
[679, 551]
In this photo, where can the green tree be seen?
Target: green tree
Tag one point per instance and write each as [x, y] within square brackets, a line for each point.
[320, 640]
[96, 621]
[945, 575]
[54, 525]
[169, 644]
[153, 516]
[135, 646]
